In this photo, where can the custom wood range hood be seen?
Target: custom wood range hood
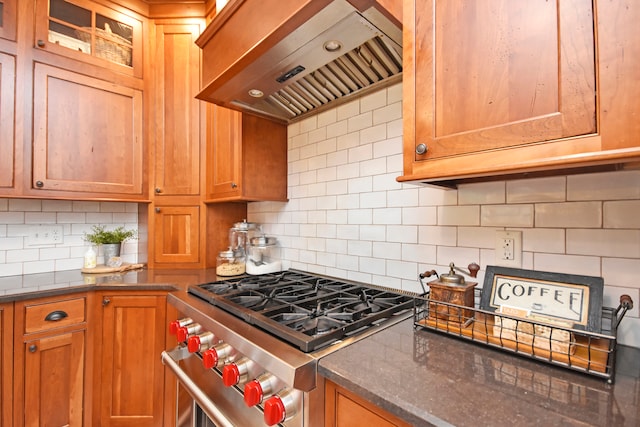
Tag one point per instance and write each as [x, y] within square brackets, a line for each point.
[287, 62]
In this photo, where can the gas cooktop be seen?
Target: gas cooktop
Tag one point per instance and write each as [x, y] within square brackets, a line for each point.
[306, 310]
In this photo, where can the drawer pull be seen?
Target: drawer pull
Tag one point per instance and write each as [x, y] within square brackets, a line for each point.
[54, 316]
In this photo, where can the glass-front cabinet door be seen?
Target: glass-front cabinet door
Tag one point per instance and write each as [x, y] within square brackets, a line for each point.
[8, 19]
[85, 30]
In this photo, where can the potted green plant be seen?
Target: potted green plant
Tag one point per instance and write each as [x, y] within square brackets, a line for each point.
[110, 240]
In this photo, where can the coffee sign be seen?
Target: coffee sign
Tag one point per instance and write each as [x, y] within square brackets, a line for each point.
[572, 299]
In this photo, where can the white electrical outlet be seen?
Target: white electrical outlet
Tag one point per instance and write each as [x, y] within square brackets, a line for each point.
[509, 249]
[45, 235]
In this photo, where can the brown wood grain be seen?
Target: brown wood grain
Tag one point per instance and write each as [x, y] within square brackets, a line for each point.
[35, 314]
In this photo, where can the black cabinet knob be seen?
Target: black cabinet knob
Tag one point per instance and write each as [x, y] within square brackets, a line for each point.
[39, 184]
[33, 348]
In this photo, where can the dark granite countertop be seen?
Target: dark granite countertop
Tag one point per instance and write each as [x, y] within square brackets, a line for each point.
[428, 378]
[16, 288]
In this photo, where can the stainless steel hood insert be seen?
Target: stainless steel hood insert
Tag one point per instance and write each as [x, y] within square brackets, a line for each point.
[300, 75]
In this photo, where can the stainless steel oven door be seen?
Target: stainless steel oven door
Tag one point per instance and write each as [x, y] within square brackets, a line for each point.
[203, 399]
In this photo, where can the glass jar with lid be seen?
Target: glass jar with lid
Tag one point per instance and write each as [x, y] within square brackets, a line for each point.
[230, 263]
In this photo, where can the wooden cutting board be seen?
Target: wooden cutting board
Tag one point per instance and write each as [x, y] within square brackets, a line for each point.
[101, 269]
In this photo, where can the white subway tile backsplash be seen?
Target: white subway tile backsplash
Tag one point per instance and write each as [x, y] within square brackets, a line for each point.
[373, 199]
[622, 214]
[376, 233]
[388, 113]
[359, 122]
[608, 243]
[604, 186]
[373, 101]
[477, 237]
[621, 272]
[483, 193]
[569, 214]
[507, 215]
[437, 235]
[373, 134]
[308, 124]
[387, 250]
[326, 118]
[419, 215]
[375, 166]
[337, 129]
[25, 205]
[552, 189]
[550, 240]
[361, 248]
[40, 217]
[75, 217]
[569, 264]
[402, 233]
[407, 197]
[318, 135]
[459, 215]
[360, 216]
[388, 216]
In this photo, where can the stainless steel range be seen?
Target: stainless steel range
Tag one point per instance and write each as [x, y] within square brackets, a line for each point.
[248, 347]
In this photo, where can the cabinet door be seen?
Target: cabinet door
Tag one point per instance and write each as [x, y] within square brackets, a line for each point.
[344, 408]
[90, 32]
[177, 234]
[177, 124]
[87, 135]
[224, 152]
[246, 157]
[6, 364]
[54, 380]
[7, 117]
[132, 375]
[8, 19]
[486, 75]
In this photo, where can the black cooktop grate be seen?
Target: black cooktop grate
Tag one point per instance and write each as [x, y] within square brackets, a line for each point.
[308, 311]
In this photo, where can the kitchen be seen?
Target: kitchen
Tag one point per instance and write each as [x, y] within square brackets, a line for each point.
[374, 229]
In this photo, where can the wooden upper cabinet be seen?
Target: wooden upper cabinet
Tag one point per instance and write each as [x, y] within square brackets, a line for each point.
[177, 129]
[7, 117]
[87, 137]
[177, 236]
[88, 31]
[8, 19]
[246, 157]
[493, 88]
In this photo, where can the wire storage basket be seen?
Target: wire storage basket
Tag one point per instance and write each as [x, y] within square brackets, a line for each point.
[579, 350]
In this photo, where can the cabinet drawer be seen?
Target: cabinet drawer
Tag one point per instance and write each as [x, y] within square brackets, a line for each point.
[55, 314]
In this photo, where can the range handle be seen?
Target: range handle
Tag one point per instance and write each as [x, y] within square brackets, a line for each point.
[170, 359]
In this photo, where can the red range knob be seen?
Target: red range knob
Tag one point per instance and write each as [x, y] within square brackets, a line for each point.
[230, 375]
[177, 324]
[236, 373]
[256, 390]
[252, 393]
[274, 411]
[215, 356]
[281, 406]
[200, 342]
[186, 331]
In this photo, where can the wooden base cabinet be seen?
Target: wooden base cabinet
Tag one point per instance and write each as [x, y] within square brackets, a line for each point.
[346, 409]
[6, 364]
[517, 87]
[130, 336]
[50, 365]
